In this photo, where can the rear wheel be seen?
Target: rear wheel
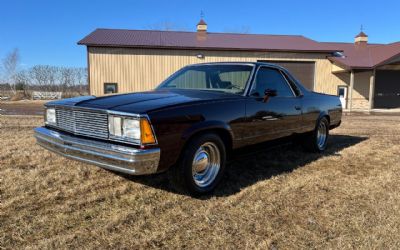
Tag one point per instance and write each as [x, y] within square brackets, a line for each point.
[201, 165]
[316, 140]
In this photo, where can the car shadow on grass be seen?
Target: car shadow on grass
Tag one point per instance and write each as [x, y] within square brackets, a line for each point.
[256, 163]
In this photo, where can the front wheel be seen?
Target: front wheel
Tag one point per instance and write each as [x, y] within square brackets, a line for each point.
[317, 140]
[201, 165]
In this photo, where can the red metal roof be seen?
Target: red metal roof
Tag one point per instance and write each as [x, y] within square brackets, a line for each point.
[364, 56]
[190, 40]
[361, 56]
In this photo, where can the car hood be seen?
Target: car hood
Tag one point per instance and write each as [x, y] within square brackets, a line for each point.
[143, 102]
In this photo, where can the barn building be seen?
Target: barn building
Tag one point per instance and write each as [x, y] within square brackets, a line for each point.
[366, 76]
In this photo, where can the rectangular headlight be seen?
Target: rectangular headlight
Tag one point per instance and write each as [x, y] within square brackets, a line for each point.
[114, 124]
[131, 129]
[125, 128]
[51, 116]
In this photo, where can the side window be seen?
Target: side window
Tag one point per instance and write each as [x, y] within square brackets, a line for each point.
[269, 78]
[110, 88]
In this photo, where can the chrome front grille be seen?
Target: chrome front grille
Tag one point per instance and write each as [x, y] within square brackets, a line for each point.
[83, 122]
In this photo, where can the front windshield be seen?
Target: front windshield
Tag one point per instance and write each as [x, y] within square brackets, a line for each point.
[228, 78]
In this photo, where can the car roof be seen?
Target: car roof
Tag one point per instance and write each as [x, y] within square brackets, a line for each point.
[239, 63]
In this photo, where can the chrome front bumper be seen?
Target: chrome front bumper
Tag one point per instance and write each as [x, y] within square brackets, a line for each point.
[106, 155]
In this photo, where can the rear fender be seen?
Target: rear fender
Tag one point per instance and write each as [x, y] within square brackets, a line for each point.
[323, 114]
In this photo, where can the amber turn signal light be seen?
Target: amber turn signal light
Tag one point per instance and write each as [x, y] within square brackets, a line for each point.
[147, 136]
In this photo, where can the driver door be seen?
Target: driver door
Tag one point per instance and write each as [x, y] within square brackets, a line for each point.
[271, 116]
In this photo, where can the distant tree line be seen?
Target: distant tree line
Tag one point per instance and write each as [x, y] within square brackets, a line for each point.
[69, 80]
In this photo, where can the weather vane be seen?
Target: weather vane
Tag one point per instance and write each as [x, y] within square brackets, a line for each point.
[361, 28]
[201, 14]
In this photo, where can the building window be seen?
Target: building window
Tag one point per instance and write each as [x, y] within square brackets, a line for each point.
[110, 88]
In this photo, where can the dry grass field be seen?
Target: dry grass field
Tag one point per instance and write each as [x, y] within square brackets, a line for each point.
[348, 197]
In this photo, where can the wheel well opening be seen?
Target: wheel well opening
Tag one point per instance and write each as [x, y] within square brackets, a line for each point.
[224, 134]
[327, 117]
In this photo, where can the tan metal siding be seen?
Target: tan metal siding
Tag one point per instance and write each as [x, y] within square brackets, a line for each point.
[143, 69]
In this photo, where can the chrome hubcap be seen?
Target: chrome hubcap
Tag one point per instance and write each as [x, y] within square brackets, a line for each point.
[206, 164]
[321, 135]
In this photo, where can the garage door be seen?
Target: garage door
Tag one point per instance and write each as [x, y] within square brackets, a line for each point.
[302, 71]
[387, 89]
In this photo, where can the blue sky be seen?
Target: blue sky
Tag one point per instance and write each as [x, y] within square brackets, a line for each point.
[46, 31]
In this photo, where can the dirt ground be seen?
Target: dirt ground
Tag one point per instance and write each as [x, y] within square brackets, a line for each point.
[345, 198]
[25, 107]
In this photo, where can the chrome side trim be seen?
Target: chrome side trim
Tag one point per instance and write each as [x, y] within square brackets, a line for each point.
[270, 118]
[106, 155]
[250, 81]
[287, 82]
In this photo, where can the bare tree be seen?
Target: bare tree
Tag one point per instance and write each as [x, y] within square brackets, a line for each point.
[54, 75]
[10, 65]
[67, 78]
[22, 80]
[2, 77]
[45, 76]
[81, 79]
[38, 75]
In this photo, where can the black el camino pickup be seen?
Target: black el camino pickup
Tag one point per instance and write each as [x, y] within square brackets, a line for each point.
[190, 123]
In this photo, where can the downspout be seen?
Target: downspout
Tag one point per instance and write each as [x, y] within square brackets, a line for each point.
[351, 90]
[372, 90]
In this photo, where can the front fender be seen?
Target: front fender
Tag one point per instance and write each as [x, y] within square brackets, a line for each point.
[170, 154]
[204, 126]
